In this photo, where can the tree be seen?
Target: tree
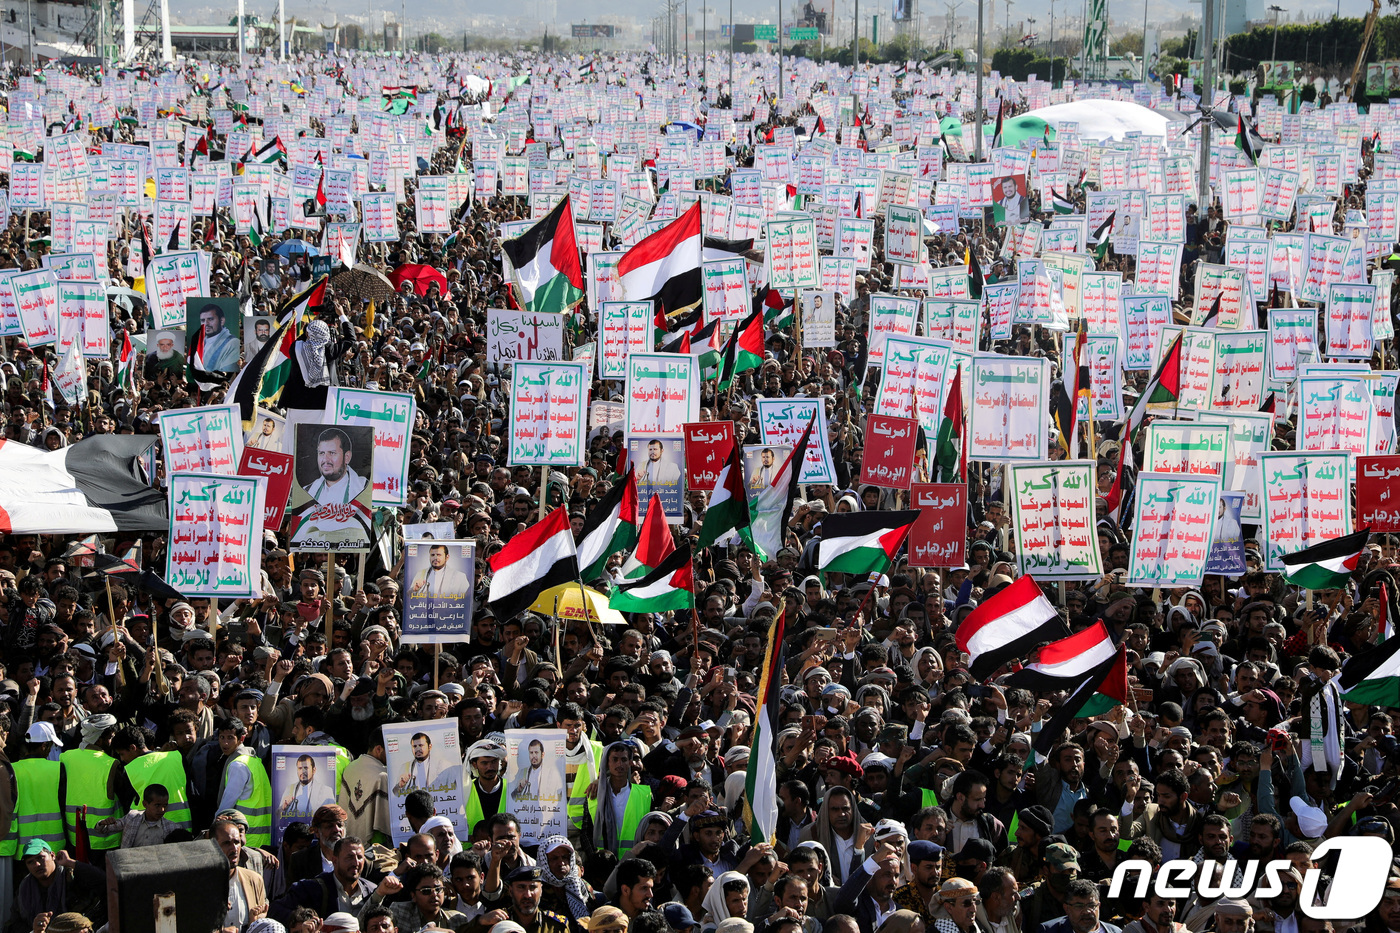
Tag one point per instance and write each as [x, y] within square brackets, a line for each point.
[352, 36]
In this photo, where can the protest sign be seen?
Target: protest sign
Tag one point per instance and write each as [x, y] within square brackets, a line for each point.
[817, 311]
[707, 445]
[535, 783]
[726, 289]
[1227, 543]
[782, 421]
[1173, 525]
[1185, 447]
[938, 538]
[391, 415]
[439, 579]
[202, 440]
[1305, 501]
[215, 535]
[425, 755]
[1335, 413]
[890, 315]
[276, 468]
[1378, 493]
[660, 465]
[1249, 435]
[624, 328]
[1010, 409]
[329, 506]
[1052, 509]
[888, 448]
[303, 780]
[36, 299]
[547, 406]
[523, 335]
[663, 393]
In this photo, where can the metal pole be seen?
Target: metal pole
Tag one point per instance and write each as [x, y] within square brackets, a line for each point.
[977, 119]
[705, 45]
[240, 33]
[1207, 105]
[855, 60]
[781, 95]
[732, 103]
[1276, 10]
[29, 4]
[1144, 40]
[687, 38]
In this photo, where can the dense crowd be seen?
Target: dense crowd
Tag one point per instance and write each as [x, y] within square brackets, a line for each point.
[911, 797]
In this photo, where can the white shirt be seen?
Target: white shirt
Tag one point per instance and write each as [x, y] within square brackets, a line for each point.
[341, 492]
[619, 806]
[237, 914]
[843, 856]
[238, 783]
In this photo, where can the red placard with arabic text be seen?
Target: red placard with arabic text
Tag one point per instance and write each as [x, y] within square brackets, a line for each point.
[707, 445]
[1378, 493]
[277, 467]
[889, 451]
[939, 535]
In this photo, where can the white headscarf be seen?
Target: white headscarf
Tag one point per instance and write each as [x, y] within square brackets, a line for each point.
[714, 909]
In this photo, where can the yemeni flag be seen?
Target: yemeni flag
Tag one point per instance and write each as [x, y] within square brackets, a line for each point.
[546, 263]
[665, 267]
[1243, 142]
[1114, 499]
[950, 460]
[770, 510]
[1063, 204]
[654, 543]
[1327, 565]
[610, 526]
[96, 486]
[271, 152]
[760, 782]
[670, 586]
[862, 542]
[1066, 661]
[743, 351]
[1373, 676]
[1007, 626]
[728, 511]
[532, 561]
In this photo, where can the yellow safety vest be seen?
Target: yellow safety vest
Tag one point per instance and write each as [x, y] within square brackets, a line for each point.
[638, 806]
[257, 806]
[168, 770]
[578, 793]
[37, 811]
[87, 783]
[473, 809]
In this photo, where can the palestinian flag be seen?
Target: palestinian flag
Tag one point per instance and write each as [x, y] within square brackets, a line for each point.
[1372, 677]
[670, 586]
[610, 526]
[777, 310]
[862, 542]
[1114, 499]
[263, 376]
[1327, 565]
[728, 511]
[1062, 203]
[1243, 142]
[97, 485]
[532, 561]
[583, 71]
[952, 464]
[760, 782]
[1102, 688]
[743, 351]
[271, 152]
[1007, 626]
[665, 267]
[654, 543]
[195, 370]
[1163, 387]
[770, 510]
[546, 264]
[974, 274]
[126, 365]
[996, 133]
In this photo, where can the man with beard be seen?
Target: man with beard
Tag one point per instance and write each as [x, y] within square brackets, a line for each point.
[421, 770]
[1158, 916]
[1173, 822]
[1059, 784]
[926, 867]
[1280, 912]
[1033, 824]
[1081, 911]
[164, 358]
[968, 816]
[868, 893]
[1103, 830]
[709, 838]
[486, 759]
[523, 886]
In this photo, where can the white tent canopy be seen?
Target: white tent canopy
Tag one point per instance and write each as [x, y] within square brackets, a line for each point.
[1101, 119]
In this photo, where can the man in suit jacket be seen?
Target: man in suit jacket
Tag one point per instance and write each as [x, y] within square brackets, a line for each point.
[869, 889]
[328, 826]
[247, 897]
[343, 888]
[1081, 911]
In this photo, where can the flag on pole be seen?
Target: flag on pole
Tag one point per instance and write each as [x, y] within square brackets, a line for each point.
[760, 782]
[531, 562]
[1327, 565]
[1007, 625]
[863, 542]
[728, 511]
[654, 542]
[671, 585]
[609, 527]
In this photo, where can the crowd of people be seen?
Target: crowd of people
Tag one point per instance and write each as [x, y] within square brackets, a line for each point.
[912, 800]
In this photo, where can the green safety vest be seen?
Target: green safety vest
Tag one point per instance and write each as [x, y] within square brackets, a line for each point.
[930, 798]
[87, 781]
[37, 811]
[473, 808]
[257, 806]
[638, 806]
[578, 794]
[167, 769]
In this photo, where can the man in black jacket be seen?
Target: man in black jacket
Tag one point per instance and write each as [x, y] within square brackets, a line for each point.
[343, 888]
[869, 890]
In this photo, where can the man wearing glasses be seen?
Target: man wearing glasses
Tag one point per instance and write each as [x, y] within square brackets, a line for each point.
[958, 899]
[426, 887]
[1081, 911]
